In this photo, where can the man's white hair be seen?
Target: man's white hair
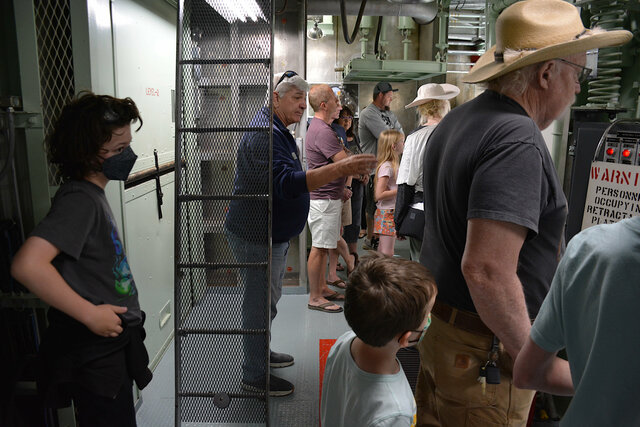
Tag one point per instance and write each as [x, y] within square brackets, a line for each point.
[289, 83]
[516, 82]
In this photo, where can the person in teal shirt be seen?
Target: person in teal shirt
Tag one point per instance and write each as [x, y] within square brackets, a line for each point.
[591, 310]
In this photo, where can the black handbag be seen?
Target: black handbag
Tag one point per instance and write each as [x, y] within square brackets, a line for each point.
[413, 224]
[408, 221]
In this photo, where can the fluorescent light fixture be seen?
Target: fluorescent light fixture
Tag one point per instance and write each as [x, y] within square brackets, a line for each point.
[237, 10]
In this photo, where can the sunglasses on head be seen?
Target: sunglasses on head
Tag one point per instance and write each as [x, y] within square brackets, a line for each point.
[286, 74]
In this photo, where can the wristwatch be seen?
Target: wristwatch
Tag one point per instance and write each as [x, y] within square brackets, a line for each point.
[349, 187]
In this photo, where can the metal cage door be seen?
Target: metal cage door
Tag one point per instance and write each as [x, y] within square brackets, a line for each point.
[223, 210]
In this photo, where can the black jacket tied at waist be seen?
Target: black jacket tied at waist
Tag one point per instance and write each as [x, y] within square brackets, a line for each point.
[71, 355]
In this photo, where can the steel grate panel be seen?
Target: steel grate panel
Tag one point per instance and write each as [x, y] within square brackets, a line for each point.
[205, 370]
[55, 62]
[222, 105]
[205, 240]
[214, 138]
[219, 308]
[189, 295]
[223, 74]
[203, 410]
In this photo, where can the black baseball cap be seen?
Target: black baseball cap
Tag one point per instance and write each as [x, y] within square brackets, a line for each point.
[383, 87]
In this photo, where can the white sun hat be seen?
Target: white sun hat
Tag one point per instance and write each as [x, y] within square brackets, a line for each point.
[434, 91]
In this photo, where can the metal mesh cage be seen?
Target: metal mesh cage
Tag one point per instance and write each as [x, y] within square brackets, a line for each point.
[223, 191]
[55, 60]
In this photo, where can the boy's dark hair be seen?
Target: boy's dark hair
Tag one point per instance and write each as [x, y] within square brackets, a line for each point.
[84, 125]
[387, 296]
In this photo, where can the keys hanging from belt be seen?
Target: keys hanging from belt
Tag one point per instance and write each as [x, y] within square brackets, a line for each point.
[490, 372]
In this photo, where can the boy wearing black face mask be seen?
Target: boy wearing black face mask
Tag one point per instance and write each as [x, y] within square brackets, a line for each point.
[74, 260]
[387, 304]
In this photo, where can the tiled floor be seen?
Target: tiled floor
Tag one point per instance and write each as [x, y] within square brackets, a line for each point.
[296, 330]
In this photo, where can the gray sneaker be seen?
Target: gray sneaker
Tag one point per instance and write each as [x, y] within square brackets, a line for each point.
[278, 387]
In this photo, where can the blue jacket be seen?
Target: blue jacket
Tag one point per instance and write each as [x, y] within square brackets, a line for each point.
[290, 194]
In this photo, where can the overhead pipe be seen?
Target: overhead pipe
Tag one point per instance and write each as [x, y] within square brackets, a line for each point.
[382, 41]
[365, 27]
[343, 16]
[422, 13]
[406, 25]
[377, 42]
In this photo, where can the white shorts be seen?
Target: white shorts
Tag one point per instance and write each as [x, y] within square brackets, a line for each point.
[324, 223]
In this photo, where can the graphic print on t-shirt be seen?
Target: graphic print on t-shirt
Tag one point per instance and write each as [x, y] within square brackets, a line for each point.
[387, 120]
[124, 283]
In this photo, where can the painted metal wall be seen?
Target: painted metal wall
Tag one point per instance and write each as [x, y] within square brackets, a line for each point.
[127, 48]
[144, 39]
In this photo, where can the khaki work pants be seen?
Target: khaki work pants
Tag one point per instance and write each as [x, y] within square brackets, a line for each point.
[448, 393]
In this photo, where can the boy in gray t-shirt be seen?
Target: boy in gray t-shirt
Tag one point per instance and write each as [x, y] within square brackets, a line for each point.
[74, 260]
[388, 304]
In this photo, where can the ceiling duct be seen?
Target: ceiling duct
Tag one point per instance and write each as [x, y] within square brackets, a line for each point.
[423, 12]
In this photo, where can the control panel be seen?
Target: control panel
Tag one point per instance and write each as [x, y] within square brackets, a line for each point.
[622, 147]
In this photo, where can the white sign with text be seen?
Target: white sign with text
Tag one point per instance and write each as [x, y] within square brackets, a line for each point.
[613, 193]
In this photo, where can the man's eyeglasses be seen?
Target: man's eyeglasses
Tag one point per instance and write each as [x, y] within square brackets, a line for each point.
[286, 74]
[584, 71]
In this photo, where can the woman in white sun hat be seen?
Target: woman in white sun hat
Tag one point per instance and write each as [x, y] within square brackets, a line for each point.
[432, 105]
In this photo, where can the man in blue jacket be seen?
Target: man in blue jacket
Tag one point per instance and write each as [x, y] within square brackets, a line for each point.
[290, 207]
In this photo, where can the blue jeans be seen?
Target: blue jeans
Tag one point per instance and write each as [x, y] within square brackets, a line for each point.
[254, 309]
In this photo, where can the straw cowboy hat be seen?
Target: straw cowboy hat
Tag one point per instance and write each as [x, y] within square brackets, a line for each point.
[434, 91]
[533, 31]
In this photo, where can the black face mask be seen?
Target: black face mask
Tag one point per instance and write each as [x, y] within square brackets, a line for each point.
[117, 167]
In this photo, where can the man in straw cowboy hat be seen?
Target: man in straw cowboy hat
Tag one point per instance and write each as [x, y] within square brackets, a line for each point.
[494, 214]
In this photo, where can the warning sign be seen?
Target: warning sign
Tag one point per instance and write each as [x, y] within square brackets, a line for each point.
[613, 193]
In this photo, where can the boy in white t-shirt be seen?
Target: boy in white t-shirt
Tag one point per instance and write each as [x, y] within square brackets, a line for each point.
[388, 303]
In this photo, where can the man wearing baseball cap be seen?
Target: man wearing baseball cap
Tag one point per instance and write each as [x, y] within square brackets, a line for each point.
[375, 118]
[495, 213]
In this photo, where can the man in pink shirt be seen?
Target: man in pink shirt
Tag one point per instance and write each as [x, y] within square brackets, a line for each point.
[324, 147]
